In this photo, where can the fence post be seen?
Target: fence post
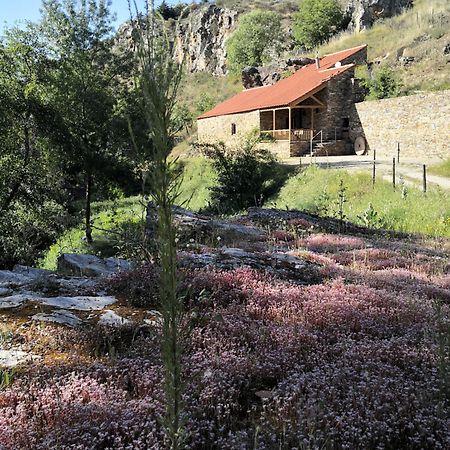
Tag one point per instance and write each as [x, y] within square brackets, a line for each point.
[398, 152]
[393, 173]
[373, 168]
[424, 178]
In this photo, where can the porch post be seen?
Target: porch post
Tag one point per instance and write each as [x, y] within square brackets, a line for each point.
[312, 120]
[273, 123]
[290, 126]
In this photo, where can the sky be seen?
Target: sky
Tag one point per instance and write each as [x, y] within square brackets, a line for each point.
[12, 11]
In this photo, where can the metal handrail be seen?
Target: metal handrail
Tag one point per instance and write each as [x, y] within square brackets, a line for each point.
[312, 139]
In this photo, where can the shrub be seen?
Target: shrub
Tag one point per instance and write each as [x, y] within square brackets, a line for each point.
[258, 35]
[245, 176]
[383, 84]
[316, 21]
[138, 287]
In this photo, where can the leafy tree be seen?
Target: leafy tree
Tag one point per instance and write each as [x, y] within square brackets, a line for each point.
[257, 38]
[31, 196]
[316, 21]
[84, 86]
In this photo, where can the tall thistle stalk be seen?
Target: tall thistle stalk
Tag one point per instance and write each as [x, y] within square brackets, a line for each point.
[159, 81]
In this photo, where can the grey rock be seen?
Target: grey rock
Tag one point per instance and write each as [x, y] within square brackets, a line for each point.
[78, 303]
[5, 291]
[73, 264]
[362, 14]
[14, 358]
[200, 39]
[279, 264]
[62, 317]
[251, 78]
[14, 301]
[110, 318]
[200, 228]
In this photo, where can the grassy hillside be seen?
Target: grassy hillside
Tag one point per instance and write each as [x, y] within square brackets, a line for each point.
[117, 224]
[421, 32]
[406, 209]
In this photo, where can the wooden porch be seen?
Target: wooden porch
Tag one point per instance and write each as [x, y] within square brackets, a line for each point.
[293, 124]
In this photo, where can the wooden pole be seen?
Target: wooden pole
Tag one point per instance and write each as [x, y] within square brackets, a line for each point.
[398, 152]
[424, 178]
[273, 123]
[373, 168]
[393, 173]
[290, 130]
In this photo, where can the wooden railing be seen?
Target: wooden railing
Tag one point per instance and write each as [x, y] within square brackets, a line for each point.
[283, 135]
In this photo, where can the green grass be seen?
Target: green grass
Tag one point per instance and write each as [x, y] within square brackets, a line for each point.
[423, 30]
[316, 190]
[116, 221]
[198, 177]
[442, 169]
[110, 219]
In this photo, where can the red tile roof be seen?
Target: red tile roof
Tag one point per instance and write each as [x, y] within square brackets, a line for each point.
[287, 91]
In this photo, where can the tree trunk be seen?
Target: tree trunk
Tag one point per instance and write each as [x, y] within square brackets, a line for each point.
[87, 215]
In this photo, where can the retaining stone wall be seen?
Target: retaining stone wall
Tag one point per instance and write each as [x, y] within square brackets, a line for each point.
[420, 123]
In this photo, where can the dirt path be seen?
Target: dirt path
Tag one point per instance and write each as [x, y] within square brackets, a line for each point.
[409, 170]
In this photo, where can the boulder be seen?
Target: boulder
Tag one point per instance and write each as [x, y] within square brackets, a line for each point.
[112, 319]
[251, 78]
[199, 228]
[73, 264]
[282, 265]
[61, 317]
[13, 358]
[78, 303]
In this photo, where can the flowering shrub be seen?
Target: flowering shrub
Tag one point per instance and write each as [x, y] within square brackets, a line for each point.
[354, 362]
[138, 287]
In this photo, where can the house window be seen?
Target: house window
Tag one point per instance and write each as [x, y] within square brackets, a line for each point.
[233, 128]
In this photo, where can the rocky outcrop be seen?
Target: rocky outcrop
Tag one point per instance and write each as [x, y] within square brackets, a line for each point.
[362, 14]
[270, 74]
[200, 39]
[73, 264]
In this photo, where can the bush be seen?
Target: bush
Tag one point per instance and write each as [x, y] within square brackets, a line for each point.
[382, 85]
[316, 21]
[245, 176]
[259, 35]
[138, 287]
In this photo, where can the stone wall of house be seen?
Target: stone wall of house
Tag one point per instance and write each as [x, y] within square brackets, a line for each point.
[340, 96]
[279, 148]
[420, 123]
[216, 129]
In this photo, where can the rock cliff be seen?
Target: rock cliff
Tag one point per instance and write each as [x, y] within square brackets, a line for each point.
[201, 36]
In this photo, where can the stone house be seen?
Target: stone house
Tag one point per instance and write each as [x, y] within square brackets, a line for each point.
[310, 111]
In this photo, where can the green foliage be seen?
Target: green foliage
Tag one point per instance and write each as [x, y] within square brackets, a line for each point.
[159, 80]
[257, 39]
[383, 84]
[6, 378]
[205, 103]
[245, 176]
[418, 213]
[316, 21]
[85, 86]
[170, 12]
